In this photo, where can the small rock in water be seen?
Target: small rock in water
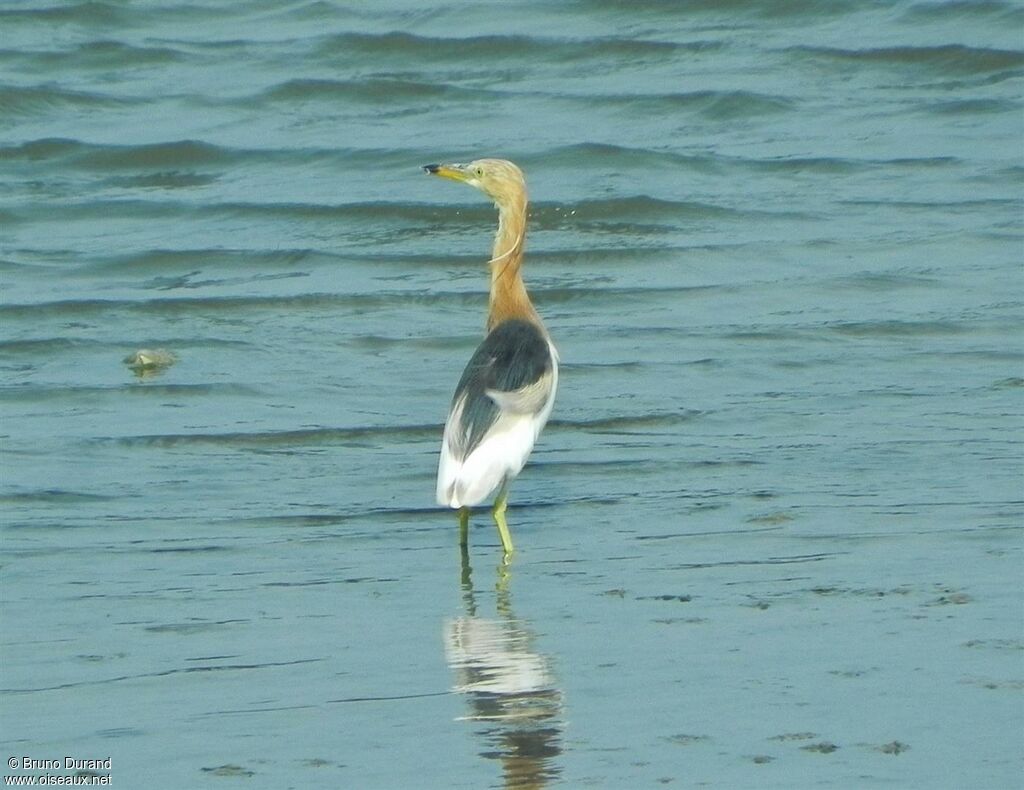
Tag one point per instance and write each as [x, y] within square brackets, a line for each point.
[896, 747]
[150, 359]
[229, 770]
[821, 748]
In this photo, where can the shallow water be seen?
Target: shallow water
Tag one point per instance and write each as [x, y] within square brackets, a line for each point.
[772, 535]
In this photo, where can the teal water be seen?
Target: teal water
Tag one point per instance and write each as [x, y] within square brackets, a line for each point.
[772, 534]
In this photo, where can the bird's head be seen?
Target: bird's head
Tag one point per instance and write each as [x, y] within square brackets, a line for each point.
[499, 179]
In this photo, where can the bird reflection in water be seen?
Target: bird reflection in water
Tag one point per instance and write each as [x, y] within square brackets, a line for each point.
[511, 690]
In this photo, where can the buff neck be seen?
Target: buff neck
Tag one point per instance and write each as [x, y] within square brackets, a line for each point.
[509, 298]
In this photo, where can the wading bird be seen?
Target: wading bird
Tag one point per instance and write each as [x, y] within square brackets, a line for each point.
[506, 393]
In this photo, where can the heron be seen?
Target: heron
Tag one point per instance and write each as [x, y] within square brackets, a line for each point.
[507, 390]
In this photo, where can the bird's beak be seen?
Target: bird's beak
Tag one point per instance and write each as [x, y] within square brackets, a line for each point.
[454, 172]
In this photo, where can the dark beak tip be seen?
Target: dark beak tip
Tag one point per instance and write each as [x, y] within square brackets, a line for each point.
[430, 168]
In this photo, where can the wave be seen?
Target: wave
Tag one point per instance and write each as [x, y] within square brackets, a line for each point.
[709, 104]
[489, 48]
[893, 328]
[371, 90]
[626, 209]
[53, 496]
[993, 10]
[757, 8]
[317, 436]
[884, 282]
[947, 60]
[645, 209]
[177, 155]
[321, 302]
[628, 423]
[20, 101]
[403, 96]
[35, 347]
[174, 209]
[100, 157]
[177, 306]
[730, 105]
[103, 54]
[972, 107]
[601, 155]
[182, 153]
[175, 261]
[979, 204]
[151, 389]
[90, 13]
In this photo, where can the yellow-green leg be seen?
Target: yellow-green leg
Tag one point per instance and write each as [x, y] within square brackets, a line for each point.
[499, 518]
[464, 528]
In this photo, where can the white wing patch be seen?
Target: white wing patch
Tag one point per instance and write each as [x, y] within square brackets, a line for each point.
[527, 400]
[502, 453]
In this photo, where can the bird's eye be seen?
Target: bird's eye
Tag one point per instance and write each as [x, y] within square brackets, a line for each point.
[479, 172]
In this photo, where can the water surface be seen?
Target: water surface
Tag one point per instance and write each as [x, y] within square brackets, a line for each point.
[772, 535]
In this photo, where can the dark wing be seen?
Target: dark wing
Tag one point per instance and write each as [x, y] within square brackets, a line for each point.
[510, 371]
